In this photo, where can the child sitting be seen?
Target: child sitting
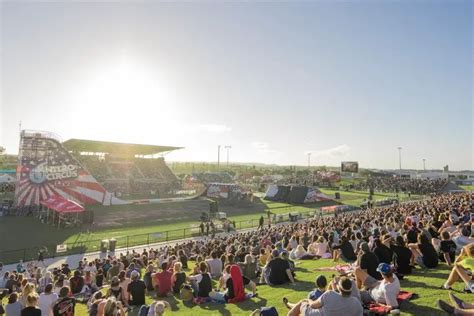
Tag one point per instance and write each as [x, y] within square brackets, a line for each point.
[321, 284]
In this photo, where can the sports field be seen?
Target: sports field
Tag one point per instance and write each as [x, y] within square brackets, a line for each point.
[141, 224]
[424, 283]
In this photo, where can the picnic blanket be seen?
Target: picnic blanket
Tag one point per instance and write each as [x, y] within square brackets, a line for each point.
[376, 309]
[341, 268]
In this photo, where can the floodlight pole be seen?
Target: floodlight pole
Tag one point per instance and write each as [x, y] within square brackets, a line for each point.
[218, 155]
[228, 149]
[400, 158]
[424, 166]
[309, 160]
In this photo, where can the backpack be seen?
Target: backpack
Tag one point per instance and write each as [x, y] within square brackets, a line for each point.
[186, 293]
[144, 310]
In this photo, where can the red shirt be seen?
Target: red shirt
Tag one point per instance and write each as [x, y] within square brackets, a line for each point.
[163, 279]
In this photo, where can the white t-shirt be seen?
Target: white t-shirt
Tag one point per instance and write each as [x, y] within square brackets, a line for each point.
[46, 302]
[215, 266]
[386, 293]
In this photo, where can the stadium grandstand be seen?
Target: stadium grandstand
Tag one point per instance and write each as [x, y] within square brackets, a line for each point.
[126, 168]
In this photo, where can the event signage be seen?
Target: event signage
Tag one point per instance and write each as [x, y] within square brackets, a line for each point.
[43, 172]
[350, 166]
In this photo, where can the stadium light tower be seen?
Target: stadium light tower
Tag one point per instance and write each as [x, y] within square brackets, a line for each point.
[400, 157]
[309, 160]
[228, 148]
[424, 166]
[218, 155]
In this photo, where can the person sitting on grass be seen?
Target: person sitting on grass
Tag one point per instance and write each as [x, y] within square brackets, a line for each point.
[136, 290]
[124, 282]
[163, 281]
[464, 263]
[368, 261]
[215, 265]
[147, 278]
[446, 248]
[277, 271]
[178, 278]
[235, 286]
[13, 307]
[424, 253]
[116, 290]
[47, 300]
[401, 256]
[113, 307]
[286, 256]
[31, 308]
[76, 283]
[460, 307]
[249, 267]
[321, 284]
[383, 292]
[331, 303]
[344, 251]
[201, 283]
[65, 305]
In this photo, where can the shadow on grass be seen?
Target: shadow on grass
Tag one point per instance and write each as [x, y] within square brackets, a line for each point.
[416, 284]
[412, 308]
[300, 285]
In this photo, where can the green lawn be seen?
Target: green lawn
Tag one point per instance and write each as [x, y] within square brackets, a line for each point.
[467, 187]
[423, 283]
[130, 234]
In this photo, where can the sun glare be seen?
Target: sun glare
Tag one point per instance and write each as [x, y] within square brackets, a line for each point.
[124, 91]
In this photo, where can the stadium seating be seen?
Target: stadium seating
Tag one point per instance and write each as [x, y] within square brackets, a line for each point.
[139, 175]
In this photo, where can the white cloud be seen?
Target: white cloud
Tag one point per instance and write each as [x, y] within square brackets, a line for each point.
[335, 152]
[260, 145]
[215, 128]
[263, 147]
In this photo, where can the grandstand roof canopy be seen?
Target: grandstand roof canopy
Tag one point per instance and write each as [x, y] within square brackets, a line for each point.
[82, 145]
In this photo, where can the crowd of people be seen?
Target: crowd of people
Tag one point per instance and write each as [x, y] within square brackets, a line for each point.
[378, 247]
[400, 184]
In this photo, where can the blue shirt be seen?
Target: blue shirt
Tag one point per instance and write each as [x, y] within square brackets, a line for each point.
[314, 295]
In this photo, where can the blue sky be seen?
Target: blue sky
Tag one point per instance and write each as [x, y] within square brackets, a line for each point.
[343, 80]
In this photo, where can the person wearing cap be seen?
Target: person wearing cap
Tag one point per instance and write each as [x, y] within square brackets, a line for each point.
[136, 289]
[368, 261]
[384, 292]
[331, 303]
